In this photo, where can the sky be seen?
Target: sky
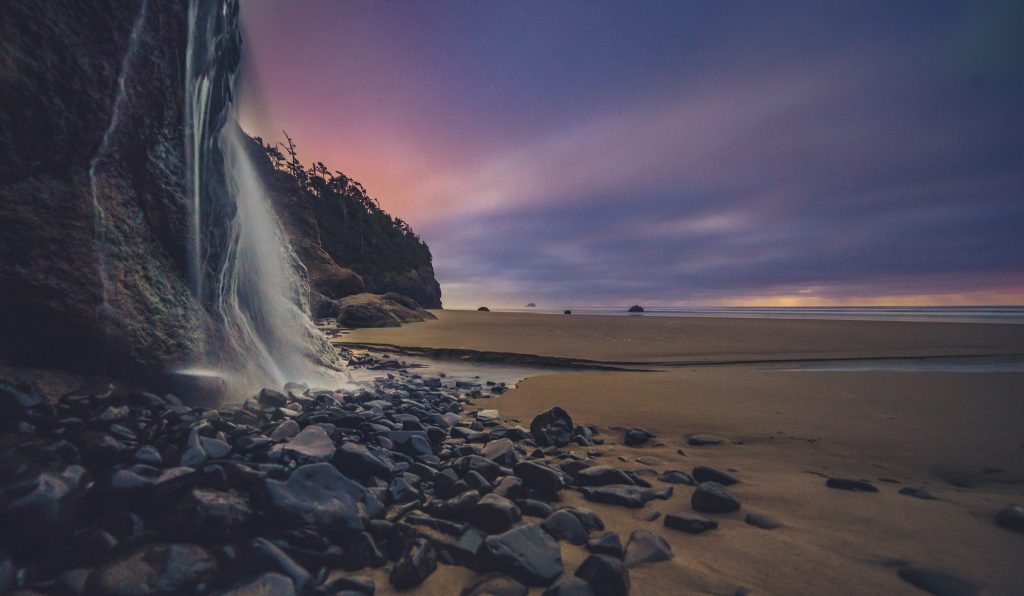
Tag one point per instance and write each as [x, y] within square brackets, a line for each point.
[590, 153]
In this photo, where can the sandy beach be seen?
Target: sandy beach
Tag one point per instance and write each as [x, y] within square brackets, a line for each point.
[960, 436]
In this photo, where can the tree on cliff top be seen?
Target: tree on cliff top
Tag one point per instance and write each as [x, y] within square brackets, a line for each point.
[357, 231]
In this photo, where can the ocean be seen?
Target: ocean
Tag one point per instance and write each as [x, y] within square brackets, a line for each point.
[948, 314]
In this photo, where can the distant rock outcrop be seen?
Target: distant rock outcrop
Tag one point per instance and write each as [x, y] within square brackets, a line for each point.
[372, 310]
[531, 305]
[636, 308]
[484, 309]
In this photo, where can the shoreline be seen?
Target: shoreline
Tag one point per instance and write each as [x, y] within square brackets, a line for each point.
[783, 432]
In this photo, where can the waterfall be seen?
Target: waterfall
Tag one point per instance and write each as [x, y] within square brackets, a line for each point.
[242, 268]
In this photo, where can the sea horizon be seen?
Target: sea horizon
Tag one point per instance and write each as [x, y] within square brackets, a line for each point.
[947, 314]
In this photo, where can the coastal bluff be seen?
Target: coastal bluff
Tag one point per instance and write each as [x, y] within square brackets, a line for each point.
[96, 259]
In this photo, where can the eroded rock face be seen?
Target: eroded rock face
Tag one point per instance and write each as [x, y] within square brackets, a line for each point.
[79, 175]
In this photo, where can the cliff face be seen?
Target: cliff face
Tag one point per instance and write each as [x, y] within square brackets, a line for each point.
[90, 185]
[98, 267]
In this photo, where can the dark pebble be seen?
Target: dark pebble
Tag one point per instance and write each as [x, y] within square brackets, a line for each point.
[851, 484]
[709, 474]
[689, 523]
[712, 497]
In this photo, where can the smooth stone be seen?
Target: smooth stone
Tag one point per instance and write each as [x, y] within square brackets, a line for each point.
[155, 569]
[709, 474]
[494, 514]
[564, 525]
[268, 584]
[538, 477]
[311, 444]
[760, 521]
[851, 484]
[319, 495]
[712, 497]
[357, 461]
[651, 516]
[1011, 517]
[501, 452]
[676, 477]
[619, 494]
[526, 552]
[689, 523]
[494, 584]
[918, 493]
[635, 437]
[606, 575]
[416, 564]
[535, 508]
[553, 427]
[937, 582]
[701, 440]
[601, 476]
[414, 443]
[285, 430]
[147, 454]
[590, 520]
[475, 463]
[215, 448]
[607, 544]
[646, 547]
[270, 398]
[488, 415]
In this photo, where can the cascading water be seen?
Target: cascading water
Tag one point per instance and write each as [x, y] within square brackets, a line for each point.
[242, 268]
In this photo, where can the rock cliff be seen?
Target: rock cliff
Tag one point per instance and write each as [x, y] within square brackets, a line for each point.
[99, 269]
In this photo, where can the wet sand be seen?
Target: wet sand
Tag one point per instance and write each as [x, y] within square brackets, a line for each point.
[958, 435]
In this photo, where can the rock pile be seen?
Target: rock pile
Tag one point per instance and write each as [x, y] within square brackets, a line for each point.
[146, 495]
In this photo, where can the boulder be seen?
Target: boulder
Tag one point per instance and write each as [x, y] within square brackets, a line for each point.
[318, 495]
[553, 427]
[526, 552]
[712, 497]
[646, 547]
[372, 310]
